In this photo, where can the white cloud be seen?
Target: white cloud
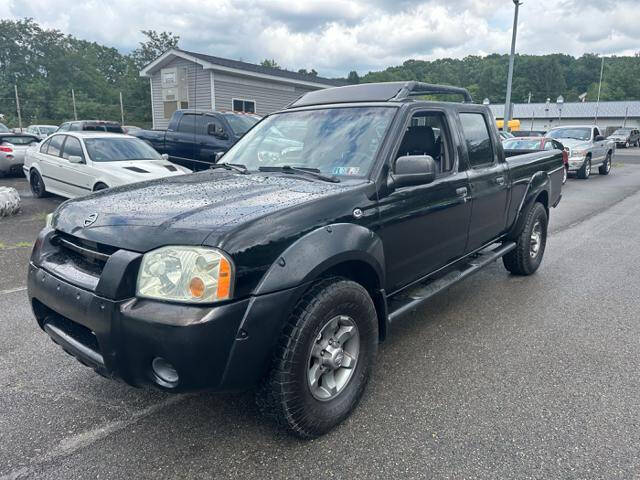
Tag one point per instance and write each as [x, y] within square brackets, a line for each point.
[335, 36]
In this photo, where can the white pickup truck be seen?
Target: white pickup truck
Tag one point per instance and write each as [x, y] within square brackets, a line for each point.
[588, 148]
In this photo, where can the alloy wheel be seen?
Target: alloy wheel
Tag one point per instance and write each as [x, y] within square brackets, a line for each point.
[333, 358]
[536, 239]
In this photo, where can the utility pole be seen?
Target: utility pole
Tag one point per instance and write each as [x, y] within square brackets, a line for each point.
[121, 110]
[507, 105]
[73, 99]
[15, 87]
[599, 88]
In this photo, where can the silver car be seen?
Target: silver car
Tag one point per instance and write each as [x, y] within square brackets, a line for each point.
[13, 147]
[41, 131]
[587, 148]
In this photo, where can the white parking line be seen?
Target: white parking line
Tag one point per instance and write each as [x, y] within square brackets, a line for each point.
[12, 290]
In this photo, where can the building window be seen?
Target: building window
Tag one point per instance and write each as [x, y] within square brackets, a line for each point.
[170, 107]
[246, 106]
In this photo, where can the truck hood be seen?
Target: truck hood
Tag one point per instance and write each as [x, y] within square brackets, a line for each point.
[573, 143]
[183, 209]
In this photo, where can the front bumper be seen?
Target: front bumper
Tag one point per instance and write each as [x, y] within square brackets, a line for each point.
[222, 347]
[575, 163]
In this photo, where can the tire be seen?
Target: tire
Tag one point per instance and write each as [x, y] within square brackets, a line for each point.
[37, 185]
[309, 409]
[627, 144]
[585, 170]
[99, 186]
[565, 175]
[605, 168]
[527, 256]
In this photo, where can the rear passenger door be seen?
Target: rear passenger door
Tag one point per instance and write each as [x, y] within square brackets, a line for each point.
[51, 163]
[181, 143]
[488, 177]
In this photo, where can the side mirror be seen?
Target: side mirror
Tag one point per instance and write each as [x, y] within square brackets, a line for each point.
[217, 131]
[599, 138]
[218, 156]
[413, 170]
[75, 159]
[165, 157]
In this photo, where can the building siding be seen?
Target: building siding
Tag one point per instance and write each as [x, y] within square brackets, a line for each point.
[269, 96]
[199, 90]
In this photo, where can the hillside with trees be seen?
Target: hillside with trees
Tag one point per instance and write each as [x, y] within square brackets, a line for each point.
[47, 64]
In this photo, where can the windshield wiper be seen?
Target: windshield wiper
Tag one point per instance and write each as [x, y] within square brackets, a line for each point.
[231, 166]
[314, 172]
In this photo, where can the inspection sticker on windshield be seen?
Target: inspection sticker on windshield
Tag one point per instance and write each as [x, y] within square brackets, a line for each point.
[346, 170]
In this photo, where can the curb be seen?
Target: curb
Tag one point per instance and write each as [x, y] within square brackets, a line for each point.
[9, 201]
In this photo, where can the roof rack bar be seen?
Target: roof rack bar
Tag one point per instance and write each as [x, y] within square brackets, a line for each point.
[413, 89]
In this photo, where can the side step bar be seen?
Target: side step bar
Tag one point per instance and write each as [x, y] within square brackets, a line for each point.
[414, 298]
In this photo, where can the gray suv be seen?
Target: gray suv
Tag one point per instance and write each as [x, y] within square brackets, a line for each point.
[626, 137]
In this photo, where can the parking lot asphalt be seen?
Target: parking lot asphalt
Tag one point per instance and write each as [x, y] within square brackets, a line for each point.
[499, 377]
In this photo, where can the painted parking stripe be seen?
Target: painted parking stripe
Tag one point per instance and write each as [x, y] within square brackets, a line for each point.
[12, 290]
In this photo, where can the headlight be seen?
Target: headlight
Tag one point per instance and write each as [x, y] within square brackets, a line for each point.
[49, 220]
[578, 153]
[185, 274]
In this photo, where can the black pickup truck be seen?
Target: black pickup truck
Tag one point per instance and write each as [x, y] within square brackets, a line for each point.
[194, 137]
[285, 270]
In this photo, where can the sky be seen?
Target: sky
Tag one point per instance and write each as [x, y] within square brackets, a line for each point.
[337, 36]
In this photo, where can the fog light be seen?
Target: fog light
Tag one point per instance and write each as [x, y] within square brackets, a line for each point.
[165, 372]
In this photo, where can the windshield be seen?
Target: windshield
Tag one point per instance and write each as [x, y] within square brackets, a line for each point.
[119, 149]
[622, 131]
[522, 144]
[577, 133]
[240, 123]
[47, 130]
[338, 141]
[3, 128]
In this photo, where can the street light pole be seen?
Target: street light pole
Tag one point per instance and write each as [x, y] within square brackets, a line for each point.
[507, 105]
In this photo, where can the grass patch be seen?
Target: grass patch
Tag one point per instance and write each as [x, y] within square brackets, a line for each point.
[40, 216]
[23, 245]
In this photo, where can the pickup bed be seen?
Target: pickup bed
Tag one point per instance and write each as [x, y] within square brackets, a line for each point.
[194, 137]
[285, 264]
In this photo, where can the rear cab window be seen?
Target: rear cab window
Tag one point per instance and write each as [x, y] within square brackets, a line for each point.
[478, 139]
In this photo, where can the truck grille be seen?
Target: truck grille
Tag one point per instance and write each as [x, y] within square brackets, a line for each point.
[91, 252]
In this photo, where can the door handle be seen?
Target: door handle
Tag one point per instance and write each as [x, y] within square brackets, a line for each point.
[500, 180]
[462, 191]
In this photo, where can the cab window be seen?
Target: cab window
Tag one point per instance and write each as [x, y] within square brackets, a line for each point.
[428, 134]
[55, 145]
[72, 147]
[477, 138]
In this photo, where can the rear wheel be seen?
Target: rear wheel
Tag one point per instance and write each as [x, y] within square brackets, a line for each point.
[605, 168]
[585, 170]
[530, 244]
[324, 359]
[37, 185]
[100, 186]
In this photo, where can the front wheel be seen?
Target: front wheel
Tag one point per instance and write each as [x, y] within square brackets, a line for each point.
[605, 168]
[530, 244]
[324, 359]
[585, 170]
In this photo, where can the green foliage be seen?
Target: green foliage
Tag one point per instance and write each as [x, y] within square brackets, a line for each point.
[46, 65]
[269, 62]
[545, 76]
[353, 78]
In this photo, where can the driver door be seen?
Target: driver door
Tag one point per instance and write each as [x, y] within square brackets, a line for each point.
[424, 227]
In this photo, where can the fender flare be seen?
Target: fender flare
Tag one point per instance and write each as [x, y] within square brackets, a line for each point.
[320, 250]
[539, 182]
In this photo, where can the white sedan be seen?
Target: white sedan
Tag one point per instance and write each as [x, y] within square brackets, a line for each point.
[72, 164]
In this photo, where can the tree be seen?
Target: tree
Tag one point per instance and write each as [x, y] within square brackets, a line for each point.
[271, 63]
[154, 46]
[353, 78]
